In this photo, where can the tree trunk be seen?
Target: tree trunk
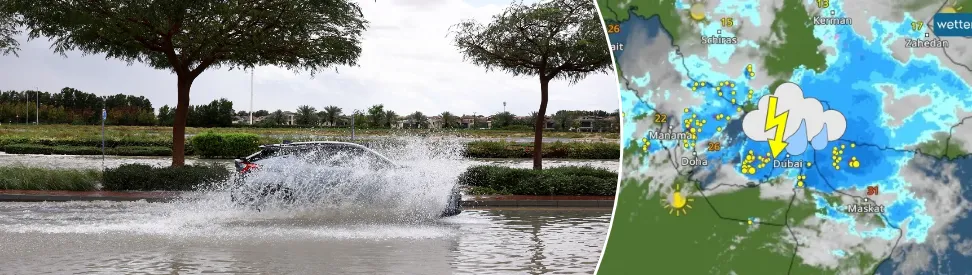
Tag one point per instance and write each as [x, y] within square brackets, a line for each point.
[179, 126]
[539, 125]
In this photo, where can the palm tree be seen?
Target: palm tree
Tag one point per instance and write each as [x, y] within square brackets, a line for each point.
[375, 115]
[390, 118]
[449, 120]
[306, 115]
[332, 114]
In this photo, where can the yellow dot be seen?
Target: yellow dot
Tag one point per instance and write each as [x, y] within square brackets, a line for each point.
[752, 74]
[733, 101]
[695, 84]
[853, 145]
[749, 66]
[800, 183]
[750, 91]
[837, 167]
[692, 130]
[693, 88]
[693, 115]
[809, 164]
[718, 129]
[750, 222]
[739, 109]
[733, 92]
[842, 146]
[732, 85]
[720, 93]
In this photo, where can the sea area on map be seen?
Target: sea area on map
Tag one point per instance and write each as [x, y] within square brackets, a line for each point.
[850, 85]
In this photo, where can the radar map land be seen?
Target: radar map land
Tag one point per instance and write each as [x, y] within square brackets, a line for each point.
[791, 137]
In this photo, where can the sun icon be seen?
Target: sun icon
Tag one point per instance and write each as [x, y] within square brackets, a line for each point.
[679, 204]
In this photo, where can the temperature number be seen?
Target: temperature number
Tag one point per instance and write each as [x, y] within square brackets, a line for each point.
[613, 28]
[714, 146]
[917, 25]
[661, 118]
[823, 4]
[727, 22]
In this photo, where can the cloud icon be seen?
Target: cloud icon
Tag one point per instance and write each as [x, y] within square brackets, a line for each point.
[806, 122]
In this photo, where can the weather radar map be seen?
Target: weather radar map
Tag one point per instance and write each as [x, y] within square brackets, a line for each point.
[792, 137]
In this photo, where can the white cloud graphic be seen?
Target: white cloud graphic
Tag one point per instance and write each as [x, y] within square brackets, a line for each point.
[790, 98]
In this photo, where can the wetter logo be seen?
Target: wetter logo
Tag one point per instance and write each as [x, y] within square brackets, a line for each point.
[791, 122]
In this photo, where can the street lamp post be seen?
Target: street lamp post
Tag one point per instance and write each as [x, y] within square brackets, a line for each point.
[354, 113]
[37, 98]
[251, 96]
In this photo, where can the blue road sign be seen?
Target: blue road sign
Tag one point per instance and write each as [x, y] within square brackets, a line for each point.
[104, 114]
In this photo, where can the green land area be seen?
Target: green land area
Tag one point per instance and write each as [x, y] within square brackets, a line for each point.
[795, 44]
[646, 239]
[670, 17]
[943, 147]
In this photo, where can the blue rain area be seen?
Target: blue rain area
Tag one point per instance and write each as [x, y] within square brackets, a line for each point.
[847, 86]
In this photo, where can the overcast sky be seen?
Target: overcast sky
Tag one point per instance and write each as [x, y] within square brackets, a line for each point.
[408, 63]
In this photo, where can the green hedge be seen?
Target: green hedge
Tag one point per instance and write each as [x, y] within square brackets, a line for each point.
[91, 142]
[141, 177]
[567, 180]
[86, 150]
[568, 150]
[219, 145]
[31, 178]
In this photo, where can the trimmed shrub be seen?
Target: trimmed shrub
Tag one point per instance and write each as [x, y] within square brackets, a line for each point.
[32, 178]
[76, 150]
[567, 180]
[566, 150]
[225, 145]
[139, 151]
[141, 177]
[28, 149]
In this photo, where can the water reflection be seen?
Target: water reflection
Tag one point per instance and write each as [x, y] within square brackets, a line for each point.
[116, 238]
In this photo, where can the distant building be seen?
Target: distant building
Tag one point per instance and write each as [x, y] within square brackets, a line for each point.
[470, 122]
[289, 118]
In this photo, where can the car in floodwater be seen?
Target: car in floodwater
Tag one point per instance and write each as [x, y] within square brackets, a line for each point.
[255, 191]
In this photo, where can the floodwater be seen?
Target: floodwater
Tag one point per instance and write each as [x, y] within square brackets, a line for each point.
[95, 162]
[189, 238]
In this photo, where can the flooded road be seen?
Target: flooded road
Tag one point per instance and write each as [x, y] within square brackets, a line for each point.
[189, 238]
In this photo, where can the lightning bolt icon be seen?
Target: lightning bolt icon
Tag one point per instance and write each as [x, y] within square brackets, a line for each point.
[776, 121]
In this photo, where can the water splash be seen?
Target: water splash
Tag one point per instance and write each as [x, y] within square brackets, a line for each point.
[332, 187]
